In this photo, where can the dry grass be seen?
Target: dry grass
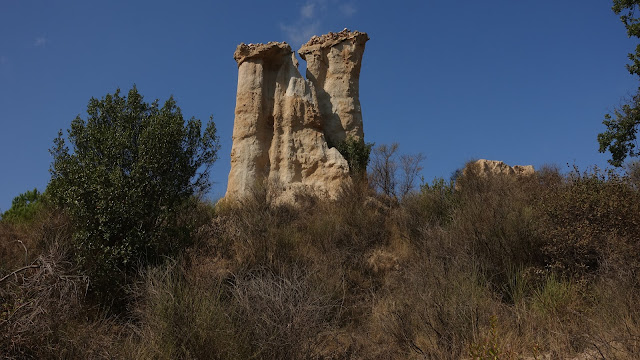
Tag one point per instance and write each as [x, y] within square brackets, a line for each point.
[44, 309]
[541, 267]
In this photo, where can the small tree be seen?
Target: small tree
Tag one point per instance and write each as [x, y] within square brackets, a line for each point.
[383, 175]
[133, 167]
[620, 138]
[24, 207]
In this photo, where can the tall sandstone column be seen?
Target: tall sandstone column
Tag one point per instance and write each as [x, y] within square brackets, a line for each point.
[253, 124]
[333, 65]
[280, 130]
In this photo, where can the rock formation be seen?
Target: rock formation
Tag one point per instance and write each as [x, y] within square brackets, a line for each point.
[286, 128]
[489, 168]
[485, 168]
[333, 66]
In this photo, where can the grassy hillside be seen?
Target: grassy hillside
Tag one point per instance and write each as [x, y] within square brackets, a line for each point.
[546, 266]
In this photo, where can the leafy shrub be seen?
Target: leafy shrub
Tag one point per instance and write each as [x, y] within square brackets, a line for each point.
[590, 220]
[424, 277]
[438, 201]
[24, 207]
[131, 171]
[356, 152]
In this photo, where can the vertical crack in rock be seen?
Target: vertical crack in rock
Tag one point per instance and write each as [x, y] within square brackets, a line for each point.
[286, 128]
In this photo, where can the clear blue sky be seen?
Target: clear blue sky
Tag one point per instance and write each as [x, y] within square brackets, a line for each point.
[523, 82]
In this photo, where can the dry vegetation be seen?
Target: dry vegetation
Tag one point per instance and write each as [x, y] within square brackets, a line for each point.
[541, 267]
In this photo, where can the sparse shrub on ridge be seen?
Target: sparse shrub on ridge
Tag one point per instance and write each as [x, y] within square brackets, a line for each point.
[437, 201]
[592, 222]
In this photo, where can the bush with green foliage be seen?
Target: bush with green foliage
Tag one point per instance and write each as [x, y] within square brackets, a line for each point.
[132, 169]
[24, 207]
[620, 137]
[591, 223]
[356, 152]
[438, 200]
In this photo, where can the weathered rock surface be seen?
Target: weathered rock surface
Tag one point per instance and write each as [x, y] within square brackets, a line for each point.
[489, 168]
[286, 128]
[333, 66]
[492, 167]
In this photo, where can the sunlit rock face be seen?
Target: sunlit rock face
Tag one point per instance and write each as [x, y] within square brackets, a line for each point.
[493, 167]
[333, 66]
[486, 168]
[286, 128]
[483, 169]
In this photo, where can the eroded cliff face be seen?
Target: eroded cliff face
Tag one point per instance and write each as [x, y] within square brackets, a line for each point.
[286, 128]
[485, 168]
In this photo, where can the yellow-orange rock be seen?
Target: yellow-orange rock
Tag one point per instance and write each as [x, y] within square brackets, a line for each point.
[333, 66]
[493, 167]
[286, 128]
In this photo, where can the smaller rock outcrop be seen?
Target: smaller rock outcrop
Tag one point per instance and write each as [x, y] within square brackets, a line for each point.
[485, 168]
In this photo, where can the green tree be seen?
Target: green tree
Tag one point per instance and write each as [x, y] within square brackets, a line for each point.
[24, 207]
[133, 167]
[620, 137]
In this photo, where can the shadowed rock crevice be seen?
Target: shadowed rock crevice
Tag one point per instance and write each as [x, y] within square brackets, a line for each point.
[286, 127]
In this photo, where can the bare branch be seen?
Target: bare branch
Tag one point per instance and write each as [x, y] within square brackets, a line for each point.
[411, 166]
[19, 270]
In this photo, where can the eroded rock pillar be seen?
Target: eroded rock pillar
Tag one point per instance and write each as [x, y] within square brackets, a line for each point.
[333, 66]
[253, 123]
[286, 128]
